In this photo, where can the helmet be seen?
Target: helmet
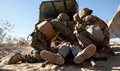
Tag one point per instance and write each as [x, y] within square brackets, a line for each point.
[84, 11]
[63, 16]
[76, 16]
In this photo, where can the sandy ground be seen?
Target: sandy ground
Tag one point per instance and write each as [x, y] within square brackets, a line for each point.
[112, 64]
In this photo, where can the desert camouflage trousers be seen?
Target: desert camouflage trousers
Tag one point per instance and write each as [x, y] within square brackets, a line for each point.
[38, 43]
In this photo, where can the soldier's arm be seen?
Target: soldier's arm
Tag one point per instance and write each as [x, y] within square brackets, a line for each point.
[59, 26]
[89, 20]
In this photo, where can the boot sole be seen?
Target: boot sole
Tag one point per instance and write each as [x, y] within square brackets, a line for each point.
[52, 57]
[85, 54]
[14, 59]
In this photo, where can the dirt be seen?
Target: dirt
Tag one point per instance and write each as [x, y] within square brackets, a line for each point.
[112, 64]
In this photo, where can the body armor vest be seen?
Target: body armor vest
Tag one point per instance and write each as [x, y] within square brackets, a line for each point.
[47, 29]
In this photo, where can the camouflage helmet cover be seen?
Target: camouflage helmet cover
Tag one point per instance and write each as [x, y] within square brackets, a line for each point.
[84, 11]
[63, 16]
[76, 17]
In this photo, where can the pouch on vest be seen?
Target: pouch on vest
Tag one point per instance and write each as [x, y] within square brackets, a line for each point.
[47, 29]
[96, 32]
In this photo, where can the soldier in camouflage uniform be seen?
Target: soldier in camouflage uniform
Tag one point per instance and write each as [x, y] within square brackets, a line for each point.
[45, 33]
[65, 48]
[93, 30]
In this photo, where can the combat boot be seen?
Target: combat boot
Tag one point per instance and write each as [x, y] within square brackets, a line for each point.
[85, 54]
[52, 57]
[14, 59]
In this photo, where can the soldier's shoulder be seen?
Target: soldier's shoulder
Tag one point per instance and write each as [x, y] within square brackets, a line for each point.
[55, 20]
[92, 17]
[89, 17]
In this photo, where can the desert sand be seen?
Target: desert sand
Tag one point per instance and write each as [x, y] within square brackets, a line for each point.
[112, 64]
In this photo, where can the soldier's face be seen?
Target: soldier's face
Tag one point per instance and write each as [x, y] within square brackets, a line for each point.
[65, 22]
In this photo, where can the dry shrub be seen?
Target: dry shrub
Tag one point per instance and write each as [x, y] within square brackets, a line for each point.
[7, 45]
[6, 40]
[22, 42]
[17, 44]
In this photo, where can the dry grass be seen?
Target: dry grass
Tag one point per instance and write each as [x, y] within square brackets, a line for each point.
[12, 44]
[6, 40]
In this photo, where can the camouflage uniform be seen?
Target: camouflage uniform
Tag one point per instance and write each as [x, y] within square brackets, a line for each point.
[41, 38]
[101, 37]
[44, 44]
[65, 49]
[38, 43]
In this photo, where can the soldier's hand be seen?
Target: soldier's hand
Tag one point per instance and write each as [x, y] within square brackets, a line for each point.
[75, 43]
[76, 34]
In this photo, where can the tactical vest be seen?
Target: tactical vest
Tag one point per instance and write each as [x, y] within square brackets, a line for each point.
[47, 29]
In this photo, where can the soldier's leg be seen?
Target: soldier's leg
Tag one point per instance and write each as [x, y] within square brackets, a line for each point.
[57, 58]
[75, 49]
[64, 49]
[34, 56]
[30, 57]
[100, 53]
[15, 58]
[42, 44]
[85, 54]
[106, 46]
[84, 38]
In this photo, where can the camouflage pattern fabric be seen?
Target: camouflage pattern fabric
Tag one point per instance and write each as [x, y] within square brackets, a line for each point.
[33, 56]
[65, 30]
[40, 42]
[85, 36]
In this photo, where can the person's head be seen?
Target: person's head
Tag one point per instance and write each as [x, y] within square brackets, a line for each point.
[63, 17]
[76, 17]
[85, 11]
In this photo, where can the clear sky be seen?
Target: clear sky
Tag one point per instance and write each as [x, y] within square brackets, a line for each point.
[24, 13]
